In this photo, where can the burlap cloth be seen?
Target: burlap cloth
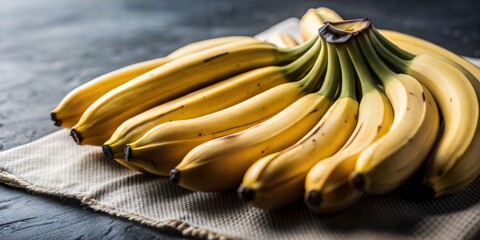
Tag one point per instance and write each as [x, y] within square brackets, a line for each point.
[55, 165]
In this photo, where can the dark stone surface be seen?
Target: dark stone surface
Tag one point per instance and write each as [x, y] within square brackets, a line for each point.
[48, 47]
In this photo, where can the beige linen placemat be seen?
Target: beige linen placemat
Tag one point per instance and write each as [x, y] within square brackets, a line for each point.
[56, 165]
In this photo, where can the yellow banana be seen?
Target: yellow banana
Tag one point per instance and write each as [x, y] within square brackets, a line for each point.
[229, 157]
[314, 19]
[164, 146]
[456, 95]
[327, 188]
[267, 181]
[172, 80]
[71, 108]
[390, 160]
[466, 169]
[207, 100]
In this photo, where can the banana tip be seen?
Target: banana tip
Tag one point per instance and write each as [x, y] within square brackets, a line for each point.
[57, 122]
[358, 181]
[246, 194]
[175, 175]
[107, 151]
[128, 152]
[314, 198]
[77, 137]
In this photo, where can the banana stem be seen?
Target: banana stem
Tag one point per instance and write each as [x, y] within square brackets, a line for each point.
[348, 75]
[303, 63]
[363, 73]
[310, 81]
[330, 83]
[398, 63]
[378, 66]
[391, 46]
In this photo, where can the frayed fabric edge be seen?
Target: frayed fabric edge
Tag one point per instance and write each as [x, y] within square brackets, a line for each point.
[184, 228]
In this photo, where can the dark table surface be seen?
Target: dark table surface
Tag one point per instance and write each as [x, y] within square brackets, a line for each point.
[48, 47]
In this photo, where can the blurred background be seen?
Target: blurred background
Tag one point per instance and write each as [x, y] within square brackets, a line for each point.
[49, 47]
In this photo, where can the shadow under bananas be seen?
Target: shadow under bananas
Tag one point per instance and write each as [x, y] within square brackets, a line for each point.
[400, 213]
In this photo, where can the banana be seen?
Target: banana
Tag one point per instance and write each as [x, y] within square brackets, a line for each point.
[456, 154]
[172, 80]
[465, 168]
[164, 146]
[268, 179]
[314, 19]
[390, 160]
[71, 108]
[282, 40]
[230, 156]
[207, 100]
[327, 188]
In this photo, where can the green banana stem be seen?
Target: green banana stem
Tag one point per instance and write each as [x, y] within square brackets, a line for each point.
[391, 46]
[378, 66]
[396, 62]
[330, 83]
[302, 64]
[363, 73]
[310, 81]
[348, 75]
[298, 50]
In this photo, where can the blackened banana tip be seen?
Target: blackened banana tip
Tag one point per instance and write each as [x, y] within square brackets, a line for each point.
[128, 152]
[175, 175]
[77, 137]
[107, 151]
[246, 194]
[358, 181]
[57, 122]
[314, 198]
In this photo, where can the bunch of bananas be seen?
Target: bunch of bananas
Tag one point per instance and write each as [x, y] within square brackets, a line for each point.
[351, 109]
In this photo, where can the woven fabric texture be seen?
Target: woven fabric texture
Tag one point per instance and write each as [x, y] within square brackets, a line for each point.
[55, 165]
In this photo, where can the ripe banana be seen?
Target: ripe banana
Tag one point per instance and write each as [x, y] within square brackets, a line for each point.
[465, 170]
[390, 160]
[457, 149]
[172, 80]
[282, 40]
[164, 146]
[71, 108]
[268, 179]
[230, 156]
[327, 188]
[314, 19]
[207, 100]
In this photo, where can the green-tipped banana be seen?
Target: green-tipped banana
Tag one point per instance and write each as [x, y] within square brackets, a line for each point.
[229, 157]
[173, 80]
[327, 188]
[164, 146]
[207, 100]
[267, 181]
[390, 160]
[465, 168]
